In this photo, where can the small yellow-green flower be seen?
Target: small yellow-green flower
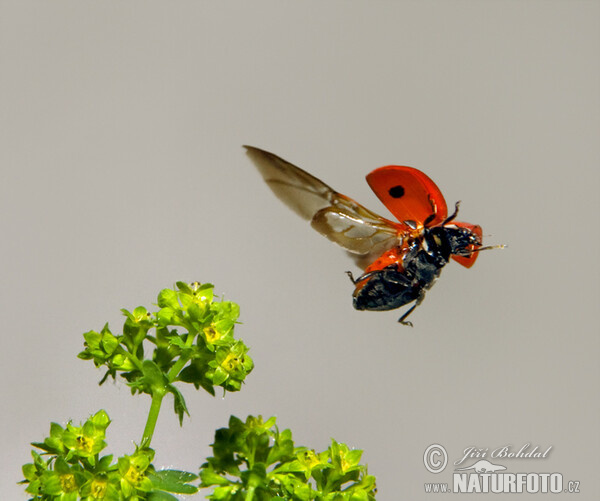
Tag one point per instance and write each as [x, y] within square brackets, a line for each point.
[68, 482]
[98, 488]
[87, 440]
[212, 335]
[133, 473]
[344, 458]
[230, 366]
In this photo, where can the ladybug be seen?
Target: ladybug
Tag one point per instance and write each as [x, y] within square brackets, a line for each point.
[401, 260]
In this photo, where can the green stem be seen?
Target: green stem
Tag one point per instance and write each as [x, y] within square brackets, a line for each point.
[250, 493]
[177, 366]
[135, 360]
[152, 418]
[158, 396]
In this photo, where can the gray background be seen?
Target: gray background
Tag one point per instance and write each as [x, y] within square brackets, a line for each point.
[121, 125]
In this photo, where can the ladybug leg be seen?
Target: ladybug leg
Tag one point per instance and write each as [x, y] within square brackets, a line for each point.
[430, 218]
[402, 319]
[362, 277]
[452, 216]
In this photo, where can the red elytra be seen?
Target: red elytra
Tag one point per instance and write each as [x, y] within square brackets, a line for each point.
[421, 199]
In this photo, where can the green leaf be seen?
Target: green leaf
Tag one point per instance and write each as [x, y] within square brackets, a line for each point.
[51, 484]
[61, 466]
[178, 403]
[166, 316]
[85, 355]
[195, 373]
[56, 430]
[104, 462]
[177, 341]
[184, 287]
[291, 467]
[109, 343]
[224, 493]
[168, 298]
[140, 314]
[203, 292]
[92, 339]
[359, 495]
[220, 376]
[154, 380]
[210, 477]
[29, 471]
[226, 310]
[173, 481]
[46, 447]
[161, 496]
[256, 477]
[353, 457]
[122, 362]
[128, 314]
[198, 312]
[100, 419]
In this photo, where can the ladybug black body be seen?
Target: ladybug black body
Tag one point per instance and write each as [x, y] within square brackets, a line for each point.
[408, 278]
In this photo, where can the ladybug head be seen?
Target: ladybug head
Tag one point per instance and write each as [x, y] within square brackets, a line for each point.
[461, 240]
[452, 240]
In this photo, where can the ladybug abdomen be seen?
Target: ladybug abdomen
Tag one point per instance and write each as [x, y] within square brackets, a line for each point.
[397, 285]
[386, 289]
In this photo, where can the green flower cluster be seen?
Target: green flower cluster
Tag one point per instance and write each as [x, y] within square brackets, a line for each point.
[205, 353]
[75, 470]
[254, 460]
[188, 339]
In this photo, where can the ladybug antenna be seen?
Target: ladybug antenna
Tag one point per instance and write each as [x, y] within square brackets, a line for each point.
[488, 247]
[452, 216]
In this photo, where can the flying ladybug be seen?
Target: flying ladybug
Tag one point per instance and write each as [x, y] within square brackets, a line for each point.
[401, 260]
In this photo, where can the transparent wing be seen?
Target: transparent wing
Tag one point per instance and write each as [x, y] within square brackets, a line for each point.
[336, 216]
[356, 229]
[301, 192]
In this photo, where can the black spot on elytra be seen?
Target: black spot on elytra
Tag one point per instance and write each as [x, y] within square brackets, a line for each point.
[396, 191]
